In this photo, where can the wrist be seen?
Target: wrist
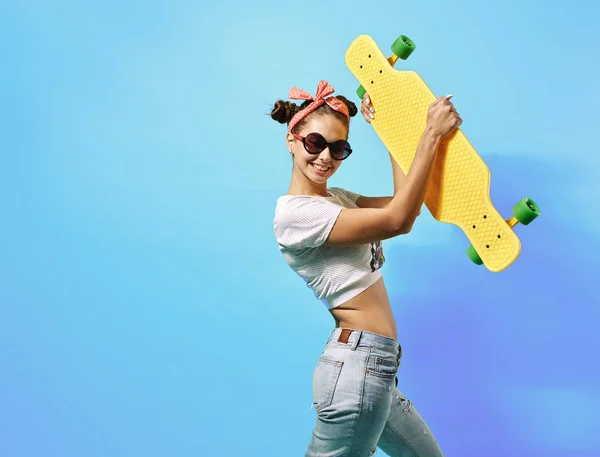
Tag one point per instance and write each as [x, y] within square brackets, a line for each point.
[431, 135]
[430, 140]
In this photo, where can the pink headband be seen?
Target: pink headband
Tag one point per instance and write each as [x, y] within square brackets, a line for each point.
[323, 90]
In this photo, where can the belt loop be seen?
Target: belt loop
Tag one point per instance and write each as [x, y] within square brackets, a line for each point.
[358, 334]
[329, 337]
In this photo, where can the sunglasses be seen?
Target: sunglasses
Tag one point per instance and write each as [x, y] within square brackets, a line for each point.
[315, 143]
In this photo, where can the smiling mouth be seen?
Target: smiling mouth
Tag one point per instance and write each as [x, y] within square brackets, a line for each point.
[320, 168]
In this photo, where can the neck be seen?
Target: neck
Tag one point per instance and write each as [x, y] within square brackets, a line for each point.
[301, 185]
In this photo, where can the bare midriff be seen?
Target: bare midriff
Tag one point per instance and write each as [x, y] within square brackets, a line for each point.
[370, 310]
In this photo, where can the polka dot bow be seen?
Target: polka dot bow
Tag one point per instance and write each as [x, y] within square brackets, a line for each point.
[323, 90]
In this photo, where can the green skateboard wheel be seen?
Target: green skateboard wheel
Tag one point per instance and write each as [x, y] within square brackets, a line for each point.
[361, 92]
[526, 211]
[403, 47]
[472, 253]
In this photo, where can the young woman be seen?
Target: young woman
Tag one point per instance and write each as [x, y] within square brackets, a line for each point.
[332, 238]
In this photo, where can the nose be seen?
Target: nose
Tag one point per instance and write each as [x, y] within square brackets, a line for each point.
[326, 154]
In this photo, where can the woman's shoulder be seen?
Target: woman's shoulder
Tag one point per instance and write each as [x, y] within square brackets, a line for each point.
[338, 196]
[304, 221]
[332, 191]
[337, 190]
[286, 203]
[344, 193]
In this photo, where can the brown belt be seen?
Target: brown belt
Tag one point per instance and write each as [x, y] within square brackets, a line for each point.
[343, 338]
[344, 335]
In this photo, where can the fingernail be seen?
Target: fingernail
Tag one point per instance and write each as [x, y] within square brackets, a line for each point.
[372, 110]
[450, 96]
[371, 116]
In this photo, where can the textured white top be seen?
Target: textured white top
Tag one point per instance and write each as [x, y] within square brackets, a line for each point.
[336, 274]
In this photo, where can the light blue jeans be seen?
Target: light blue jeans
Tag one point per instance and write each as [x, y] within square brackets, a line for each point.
[358, 405]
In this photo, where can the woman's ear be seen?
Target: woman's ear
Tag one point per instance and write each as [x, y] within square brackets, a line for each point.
[289, 140]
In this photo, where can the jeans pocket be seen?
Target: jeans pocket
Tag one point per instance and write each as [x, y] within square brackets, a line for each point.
[325, 378]
[384, 367]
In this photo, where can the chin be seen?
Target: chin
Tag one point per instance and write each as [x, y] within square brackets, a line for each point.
[320, 179]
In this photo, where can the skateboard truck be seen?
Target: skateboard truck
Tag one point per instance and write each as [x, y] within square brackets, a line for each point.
[402, 48]
[525, 211]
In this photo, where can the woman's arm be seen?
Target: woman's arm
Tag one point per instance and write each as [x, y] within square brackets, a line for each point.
[396, 217]
[373, 202]
[365, 225]
[380, 202]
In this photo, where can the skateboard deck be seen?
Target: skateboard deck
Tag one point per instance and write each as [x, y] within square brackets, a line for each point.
[459, 189]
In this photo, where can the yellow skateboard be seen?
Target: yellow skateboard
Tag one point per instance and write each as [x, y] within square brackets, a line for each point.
[459, 190]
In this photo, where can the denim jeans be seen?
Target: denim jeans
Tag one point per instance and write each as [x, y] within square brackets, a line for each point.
[358, 405]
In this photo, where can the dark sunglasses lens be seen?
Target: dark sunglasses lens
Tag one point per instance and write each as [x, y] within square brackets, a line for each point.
[340, 150]
[314, 143]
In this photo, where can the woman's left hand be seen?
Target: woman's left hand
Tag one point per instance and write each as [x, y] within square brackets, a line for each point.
[366, 108]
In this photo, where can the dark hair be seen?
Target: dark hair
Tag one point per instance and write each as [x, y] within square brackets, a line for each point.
[283, 111]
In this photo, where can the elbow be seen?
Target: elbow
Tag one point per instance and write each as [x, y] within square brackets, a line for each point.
[405, 229]
[404, 226]
[401, 222]
[401, 226]
[408, 229]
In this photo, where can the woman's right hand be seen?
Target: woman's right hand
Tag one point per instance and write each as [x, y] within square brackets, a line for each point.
[442, 118]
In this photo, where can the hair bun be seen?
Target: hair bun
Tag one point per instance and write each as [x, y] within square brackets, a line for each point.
[352, 110]
[283, 111]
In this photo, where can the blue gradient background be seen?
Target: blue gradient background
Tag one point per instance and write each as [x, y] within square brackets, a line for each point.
[144, 307]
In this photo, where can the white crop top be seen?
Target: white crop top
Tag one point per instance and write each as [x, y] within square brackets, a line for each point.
[336, 274]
